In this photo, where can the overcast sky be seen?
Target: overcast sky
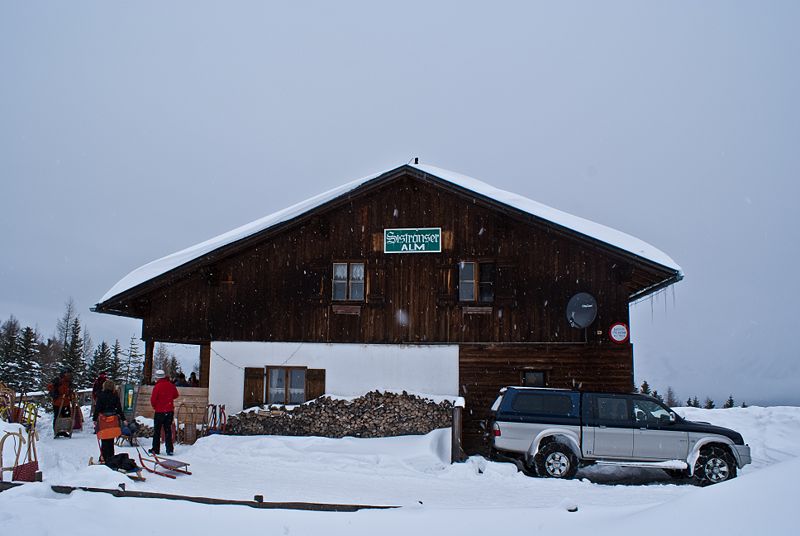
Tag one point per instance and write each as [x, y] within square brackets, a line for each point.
[131, 130]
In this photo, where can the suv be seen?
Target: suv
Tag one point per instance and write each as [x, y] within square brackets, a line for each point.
[555, 431]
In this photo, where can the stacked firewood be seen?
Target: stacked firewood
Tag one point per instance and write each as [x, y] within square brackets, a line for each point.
[375, 414]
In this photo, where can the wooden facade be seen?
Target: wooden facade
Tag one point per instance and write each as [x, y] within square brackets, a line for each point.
[276, 285]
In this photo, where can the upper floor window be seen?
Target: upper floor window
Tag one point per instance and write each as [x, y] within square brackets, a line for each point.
[348, 281]
[476, 281]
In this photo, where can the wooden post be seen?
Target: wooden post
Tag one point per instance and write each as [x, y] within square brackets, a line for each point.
[205, 363]
[147, 373]
[456, 453]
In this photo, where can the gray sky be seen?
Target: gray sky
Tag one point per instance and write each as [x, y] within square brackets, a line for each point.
[131, 130]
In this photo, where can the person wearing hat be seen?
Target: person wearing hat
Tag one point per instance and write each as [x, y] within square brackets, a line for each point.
[163, 401]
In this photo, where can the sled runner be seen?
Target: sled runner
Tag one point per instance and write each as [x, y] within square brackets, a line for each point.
[163, 466]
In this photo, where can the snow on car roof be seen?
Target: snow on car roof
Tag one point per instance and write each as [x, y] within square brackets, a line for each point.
[591, 229]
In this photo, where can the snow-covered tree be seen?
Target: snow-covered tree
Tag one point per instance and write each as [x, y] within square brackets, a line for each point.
[729, 403]
[9, 337]
[101, 361]
[134, 362]
[115, 371]
[657, 396]
[708, 404]
[72, 356]
[29, 370]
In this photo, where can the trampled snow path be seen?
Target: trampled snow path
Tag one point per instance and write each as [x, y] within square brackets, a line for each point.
[471, 498]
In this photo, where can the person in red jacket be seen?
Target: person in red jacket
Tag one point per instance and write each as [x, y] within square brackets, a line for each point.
[163, 401]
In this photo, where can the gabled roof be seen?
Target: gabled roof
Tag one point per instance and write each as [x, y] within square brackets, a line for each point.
[611, 237]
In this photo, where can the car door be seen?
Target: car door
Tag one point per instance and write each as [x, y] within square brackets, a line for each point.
[610, 426]
[656, 437]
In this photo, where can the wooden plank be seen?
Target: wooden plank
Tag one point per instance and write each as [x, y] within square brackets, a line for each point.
[318, 507]
[253, 387]
[196, 397]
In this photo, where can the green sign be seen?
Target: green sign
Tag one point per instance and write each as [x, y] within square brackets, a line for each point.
[128, 397]
[428, 240]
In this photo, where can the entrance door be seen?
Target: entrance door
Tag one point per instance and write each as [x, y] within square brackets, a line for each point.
[253, 387]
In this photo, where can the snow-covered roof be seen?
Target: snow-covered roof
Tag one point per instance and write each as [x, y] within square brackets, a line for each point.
[591, 229]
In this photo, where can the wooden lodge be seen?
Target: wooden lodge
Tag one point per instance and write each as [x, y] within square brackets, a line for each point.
[415, 279]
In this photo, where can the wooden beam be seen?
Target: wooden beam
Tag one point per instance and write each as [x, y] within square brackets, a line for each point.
[205, 363]
[149, 347]
[319, 507]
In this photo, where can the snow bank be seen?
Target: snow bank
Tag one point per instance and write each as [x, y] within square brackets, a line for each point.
[475, 497]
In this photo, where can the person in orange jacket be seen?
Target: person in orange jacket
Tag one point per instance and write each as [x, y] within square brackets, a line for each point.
[163, 401]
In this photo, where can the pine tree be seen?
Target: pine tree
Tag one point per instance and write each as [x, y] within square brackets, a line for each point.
[64, 324]
[695, 402]
[657, 396]
[115, 370]
[672, 398]
[135, 360]
[744, 405]
[29, 371]
[174, 366]
[9, 337]
[72, 356]
[729, 403]
[645, 388]
[49, 358]
[708, 404]
[101, 361]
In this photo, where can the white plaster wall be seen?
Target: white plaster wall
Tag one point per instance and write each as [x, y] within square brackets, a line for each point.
[350, 369]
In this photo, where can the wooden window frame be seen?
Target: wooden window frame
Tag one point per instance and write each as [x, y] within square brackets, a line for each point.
[349, 292]
[287, 376]
[476, 281]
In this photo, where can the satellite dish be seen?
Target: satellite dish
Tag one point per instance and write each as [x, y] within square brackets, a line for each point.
[581, 310]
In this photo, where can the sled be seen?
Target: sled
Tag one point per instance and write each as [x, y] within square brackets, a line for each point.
[136, 476]
[163, 466]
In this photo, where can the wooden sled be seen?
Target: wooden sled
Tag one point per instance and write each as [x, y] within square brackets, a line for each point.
[136, 476]
[158, 465]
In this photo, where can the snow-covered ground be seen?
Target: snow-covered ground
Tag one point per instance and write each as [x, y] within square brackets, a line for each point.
[476, 497]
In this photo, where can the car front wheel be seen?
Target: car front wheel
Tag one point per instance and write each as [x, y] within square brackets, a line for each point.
[714, 465]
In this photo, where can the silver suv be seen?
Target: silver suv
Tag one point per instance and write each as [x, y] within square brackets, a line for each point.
[552, 432]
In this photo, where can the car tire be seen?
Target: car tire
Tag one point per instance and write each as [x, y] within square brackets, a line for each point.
[714, 465]
[556, 460]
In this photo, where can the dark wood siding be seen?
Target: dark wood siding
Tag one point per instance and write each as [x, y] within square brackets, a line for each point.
[484, 369]
[279, 289]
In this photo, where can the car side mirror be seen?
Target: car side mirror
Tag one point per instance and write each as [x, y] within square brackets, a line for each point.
[666, 419]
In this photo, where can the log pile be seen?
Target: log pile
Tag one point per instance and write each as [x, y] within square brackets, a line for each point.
[375, 414]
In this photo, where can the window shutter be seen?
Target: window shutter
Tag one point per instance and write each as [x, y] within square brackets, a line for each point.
[253, 387]
[315, 383]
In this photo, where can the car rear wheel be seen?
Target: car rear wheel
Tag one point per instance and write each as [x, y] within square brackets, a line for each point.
[556, 460]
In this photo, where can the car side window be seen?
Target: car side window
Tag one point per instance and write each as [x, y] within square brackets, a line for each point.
[648, 411]
[612, 409]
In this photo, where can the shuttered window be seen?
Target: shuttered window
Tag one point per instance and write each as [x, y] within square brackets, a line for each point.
[476, 281]
[348, 281]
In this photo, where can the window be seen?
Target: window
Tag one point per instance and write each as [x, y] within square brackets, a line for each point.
[539, 404]
[476, 281]
[286, 385]
[533, 378]
[348, 281]
[649, 411]
[611, 409]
